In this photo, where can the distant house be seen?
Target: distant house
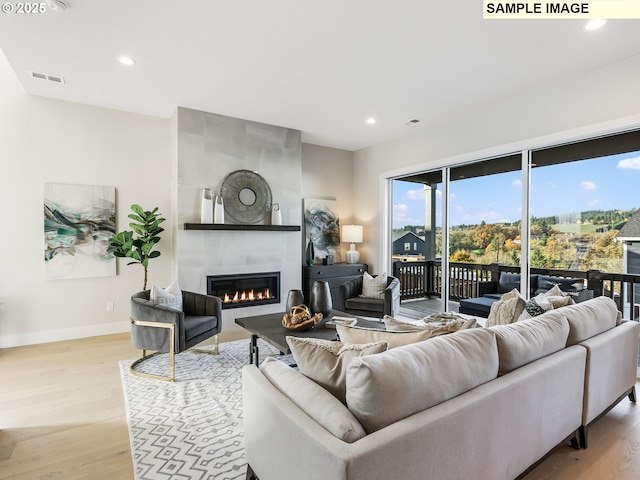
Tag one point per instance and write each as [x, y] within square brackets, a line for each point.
[629, 235]
[409, 244]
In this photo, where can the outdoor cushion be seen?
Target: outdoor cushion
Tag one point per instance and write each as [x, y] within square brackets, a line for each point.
[509, 281]
[479, 306]
[566, 284]
[495, 296]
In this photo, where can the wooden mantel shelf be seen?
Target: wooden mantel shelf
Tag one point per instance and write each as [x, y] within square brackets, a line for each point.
[233, 226]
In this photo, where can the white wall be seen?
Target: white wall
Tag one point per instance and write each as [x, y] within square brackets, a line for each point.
[45, 140]
[327, 173]
[590, 104]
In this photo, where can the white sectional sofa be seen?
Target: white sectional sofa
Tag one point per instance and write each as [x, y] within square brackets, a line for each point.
[485, 403]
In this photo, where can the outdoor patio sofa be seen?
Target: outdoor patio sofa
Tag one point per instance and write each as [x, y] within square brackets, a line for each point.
[489, 292]
[500, 399]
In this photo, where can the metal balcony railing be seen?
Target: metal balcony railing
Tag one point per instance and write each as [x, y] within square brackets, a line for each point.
[424, 279]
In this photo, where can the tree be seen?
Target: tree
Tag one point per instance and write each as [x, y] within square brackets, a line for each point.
[537, 259]
[139, 248]
[484, 234]
[461, 256]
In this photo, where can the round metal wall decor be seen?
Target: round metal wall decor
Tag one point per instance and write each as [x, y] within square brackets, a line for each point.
[247, 197]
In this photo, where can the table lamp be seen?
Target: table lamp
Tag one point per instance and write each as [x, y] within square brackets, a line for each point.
[352, 234]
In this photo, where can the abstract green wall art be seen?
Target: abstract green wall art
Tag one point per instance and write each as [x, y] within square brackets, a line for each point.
[79, 221]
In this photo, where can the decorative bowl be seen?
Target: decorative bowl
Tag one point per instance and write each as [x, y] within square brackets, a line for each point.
[299, 319]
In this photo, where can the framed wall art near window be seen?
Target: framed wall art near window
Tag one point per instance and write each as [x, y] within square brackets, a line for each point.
[322, 227]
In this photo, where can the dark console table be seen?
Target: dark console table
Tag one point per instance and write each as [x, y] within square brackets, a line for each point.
[336, 275]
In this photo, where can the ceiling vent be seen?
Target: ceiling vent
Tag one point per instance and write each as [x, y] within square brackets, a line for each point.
[412, 121]
[50, 78]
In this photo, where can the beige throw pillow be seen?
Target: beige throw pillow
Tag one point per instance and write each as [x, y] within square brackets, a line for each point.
[374, 287]
[325, 362]
[443, 323]
[438, 324]
[590, 318]
[543, 302]
[383, 389]
[367, 335]
[506, 310]
[314, 400]
[394, 325]
[558, 298]
[523, 342]
[169, 297]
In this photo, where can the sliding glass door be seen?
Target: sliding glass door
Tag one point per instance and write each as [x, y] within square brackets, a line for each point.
[576, 198]
[417, 236]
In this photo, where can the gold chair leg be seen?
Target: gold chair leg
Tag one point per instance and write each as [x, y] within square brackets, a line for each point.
[172, 352]
[215, 351]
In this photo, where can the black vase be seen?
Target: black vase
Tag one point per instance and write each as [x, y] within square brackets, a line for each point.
[294, 297]
[320, 301]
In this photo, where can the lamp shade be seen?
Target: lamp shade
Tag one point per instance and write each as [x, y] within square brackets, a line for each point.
[352, 233]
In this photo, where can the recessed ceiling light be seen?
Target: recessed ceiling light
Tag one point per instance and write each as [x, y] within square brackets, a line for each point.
[58, 5]
[126, 60]
[371, 120]
[595, 24]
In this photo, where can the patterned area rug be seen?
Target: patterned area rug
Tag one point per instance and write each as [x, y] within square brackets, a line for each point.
[190, 429]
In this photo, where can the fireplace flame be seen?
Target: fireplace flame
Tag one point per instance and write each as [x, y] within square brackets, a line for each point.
[247, 296]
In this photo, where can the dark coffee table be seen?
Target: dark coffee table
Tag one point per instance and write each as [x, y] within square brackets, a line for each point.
[269, 328]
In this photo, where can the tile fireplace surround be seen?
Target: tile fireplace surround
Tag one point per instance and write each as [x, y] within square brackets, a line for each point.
[209, 147]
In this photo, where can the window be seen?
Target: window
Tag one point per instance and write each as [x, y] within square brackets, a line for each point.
[407, 247]
[575, 196]
[485, 211]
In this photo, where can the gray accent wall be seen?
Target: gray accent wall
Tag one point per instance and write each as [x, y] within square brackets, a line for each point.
[209, 147]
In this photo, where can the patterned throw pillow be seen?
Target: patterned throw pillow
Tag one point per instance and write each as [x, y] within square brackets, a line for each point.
[374, 287]
[169, 297]
[506, 310]
[543, 302]
[536, 306]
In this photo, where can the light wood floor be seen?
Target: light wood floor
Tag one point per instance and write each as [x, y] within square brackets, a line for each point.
[62, 416]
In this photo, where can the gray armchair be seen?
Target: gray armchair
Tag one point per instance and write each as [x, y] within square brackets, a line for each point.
[351, 301]
[162, 329]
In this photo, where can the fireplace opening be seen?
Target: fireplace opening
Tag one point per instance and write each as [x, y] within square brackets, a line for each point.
[245, 289]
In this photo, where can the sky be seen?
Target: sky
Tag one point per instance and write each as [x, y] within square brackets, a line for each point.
[605, 183]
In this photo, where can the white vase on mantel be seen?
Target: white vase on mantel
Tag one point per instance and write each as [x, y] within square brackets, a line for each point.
[218, 210]
[206, 207]
[276, 215]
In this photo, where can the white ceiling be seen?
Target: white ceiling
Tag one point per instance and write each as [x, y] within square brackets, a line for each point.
[322, 67]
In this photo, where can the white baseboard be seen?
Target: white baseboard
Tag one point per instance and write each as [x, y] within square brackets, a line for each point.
[46, 336]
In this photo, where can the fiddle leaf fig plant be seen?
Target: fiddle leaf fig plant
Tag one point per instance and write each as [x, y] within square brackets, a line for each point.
[138, 243]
